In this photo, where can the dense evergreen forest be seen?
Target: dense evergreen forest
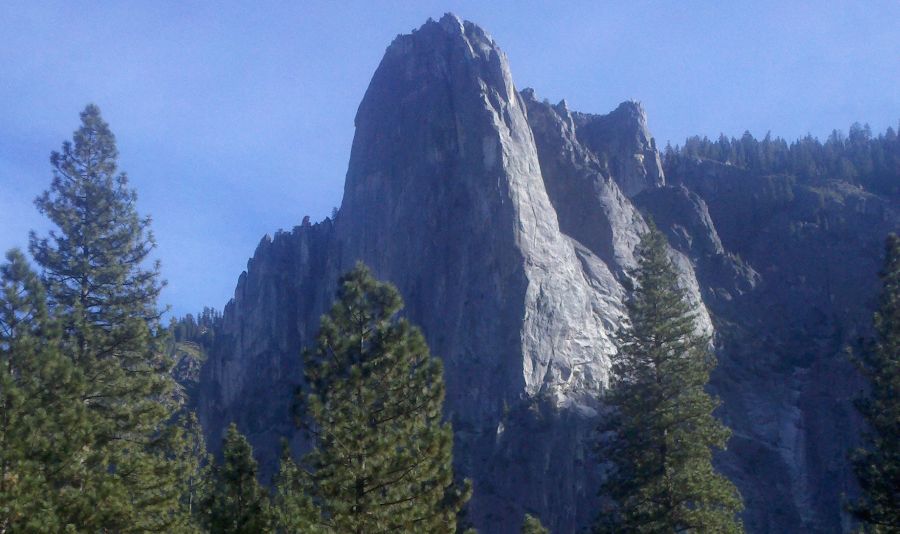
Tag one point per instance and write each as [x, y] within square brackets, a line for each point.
[200, 330]
[94, 436]
[859, 158]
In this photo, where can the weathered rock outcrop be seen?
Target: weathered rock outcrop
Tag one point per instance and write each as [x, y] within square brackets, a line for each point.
[509, 226]
[444, 196]
[590, 205]
[624, 142]
[685, 218]
[254, 366]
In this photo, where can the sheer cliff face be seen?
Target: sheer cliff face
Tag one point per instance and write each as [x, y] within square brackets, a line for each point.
[509, 226]
[444, 196]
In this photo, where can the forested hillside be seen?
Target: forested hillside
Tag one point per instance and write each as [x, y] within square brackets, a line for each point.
[858, 158]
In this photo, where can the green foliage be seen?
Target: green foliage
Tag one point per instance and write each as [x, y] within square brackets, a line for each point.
[383, 457]
[200, 330]
[237, 503]
[877, 466]
[293, 510]
[660, 430]
[859, 158]
[195, 465]
[532, 525]
[45, 433]
[189, 342]
[93, 267]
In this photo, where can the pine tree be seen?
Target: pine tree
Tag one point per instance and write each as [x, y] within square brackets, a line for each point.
[194, 463]
[45, 435]
[382, 457]
[93, 266]
[237, 504]
[660, 430]
[532, 525]
[293, 509]
[877, 466]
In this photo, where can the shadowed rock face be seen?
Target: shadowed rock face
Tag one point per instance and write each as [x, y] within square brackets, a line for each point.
[509, 226]
[787, 386]
[624, 141]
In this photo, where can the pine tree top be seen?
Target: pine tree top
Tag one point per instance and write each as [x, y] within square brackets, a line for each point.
[383, 456]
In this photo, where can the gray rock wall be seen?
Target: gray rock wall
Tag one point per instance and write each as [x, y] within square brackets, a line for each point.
[623, 140]
[509, 226]
[445, 175]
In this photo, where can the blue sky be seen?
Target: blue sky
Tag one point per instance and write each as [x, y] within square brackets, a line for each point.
[235, 119]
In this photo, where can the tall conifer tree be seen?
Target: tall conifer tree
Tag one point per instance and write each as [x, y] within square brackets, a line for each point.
[660, 432]
[293, 508]
[382, 457]
[237, 503]
[94, 268]
[878, 465]
[188, 453]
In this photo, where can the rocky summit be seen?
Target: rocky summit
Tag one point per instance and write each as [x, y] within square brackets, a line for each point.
[509, 226]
